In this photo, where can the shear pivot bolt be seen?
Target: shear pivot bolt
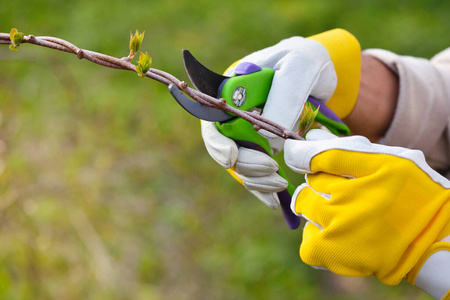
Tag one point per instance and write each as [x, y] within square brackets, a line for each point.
[239, 96]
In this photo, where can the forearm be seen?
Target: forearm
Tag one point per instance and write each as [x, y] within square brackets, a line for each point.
[377, 100]
[417, 117]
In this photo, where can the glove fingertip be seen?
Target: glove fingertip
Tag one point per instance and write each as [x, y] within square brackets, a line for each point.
[221, 148]
[294, 199]
[255, 163]
[295, 157]
[318, 135]
[266, 184]
[224, 156]
[269, 199]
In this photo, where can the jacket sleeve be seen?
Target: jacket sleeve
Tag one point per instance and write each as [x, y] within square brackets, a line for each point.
[422, 117]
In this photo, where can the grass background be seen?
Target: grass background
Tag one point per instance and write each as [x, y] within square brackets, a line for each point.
[106, 189]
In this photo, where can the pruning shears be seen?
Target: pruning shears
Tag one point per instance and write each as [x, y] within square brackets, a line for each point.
[247, 90]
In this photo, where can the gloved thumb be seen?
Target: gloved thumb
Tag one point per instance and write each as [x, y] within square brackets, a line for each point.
[318, 135]
[298, 154]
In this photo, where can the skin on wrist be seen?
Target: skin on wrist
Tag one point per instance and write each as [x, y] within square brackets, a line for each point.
[376, 102]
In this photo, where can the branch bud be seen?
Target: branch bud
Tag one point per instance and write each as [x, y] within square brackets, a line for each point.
[144, 63]
[16, 38]
[306, 119]
[135, 43]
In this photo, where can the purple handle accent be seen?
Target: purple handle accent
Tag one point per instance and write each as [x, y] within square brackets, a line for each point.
[245, 68]
[292, 220]
[324, 109]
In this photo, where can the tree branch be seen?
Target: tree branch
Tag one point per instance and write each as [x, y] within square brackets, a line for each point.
[124, 64]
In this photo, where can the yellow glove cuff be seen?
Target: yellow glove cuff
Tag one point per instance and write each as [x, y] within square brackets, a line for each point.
[345, 53]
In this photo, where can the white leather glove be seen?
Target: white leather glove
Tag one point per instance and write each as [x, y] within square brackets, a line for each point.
[303, 67]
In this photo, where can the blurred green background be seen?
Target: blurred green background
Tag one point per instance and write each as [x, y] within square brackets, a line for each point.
[106, 189]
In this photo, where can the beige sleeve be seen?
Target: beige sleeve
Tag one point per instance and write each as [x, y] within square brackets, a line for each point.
[422, 117]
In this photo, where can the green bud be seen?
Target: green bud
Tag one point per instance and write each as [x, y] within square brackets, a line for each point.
[307, 119]
[11, 34]
[15, 37]
[144, 63]
[135, 43]
[18, 38]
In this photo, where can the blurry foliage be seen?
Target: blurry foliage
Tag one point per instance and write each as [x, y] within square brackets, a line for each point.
[106, 189]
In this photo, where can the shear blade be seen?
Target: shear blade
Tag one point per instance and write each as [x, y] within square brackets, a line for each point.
[198, 110]
[205, 80]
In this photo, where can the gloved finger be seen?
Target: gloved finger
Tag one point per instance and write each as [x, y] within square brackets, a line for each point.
[221, 148]
[269, 199]
[317, 248]
[340, 156]
[299, 154]
[327, 184]
[254, 163]
[268, 184]
[311, 252]
[312, 205]
[318, 135]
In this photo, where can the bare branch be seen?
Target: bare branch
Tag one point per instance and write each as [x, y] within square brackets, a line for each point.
[124, 64]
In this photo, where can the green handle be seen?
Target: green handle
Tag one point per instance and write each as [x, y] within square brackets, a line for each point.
[256, 88]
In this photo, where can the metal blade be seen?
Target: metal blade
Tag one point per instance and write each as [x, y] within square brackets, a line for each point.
[202, 78]
[198, 110]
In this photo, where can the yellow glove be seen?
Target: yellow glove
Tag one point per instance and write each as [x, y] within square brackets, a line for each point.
[372, 209]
